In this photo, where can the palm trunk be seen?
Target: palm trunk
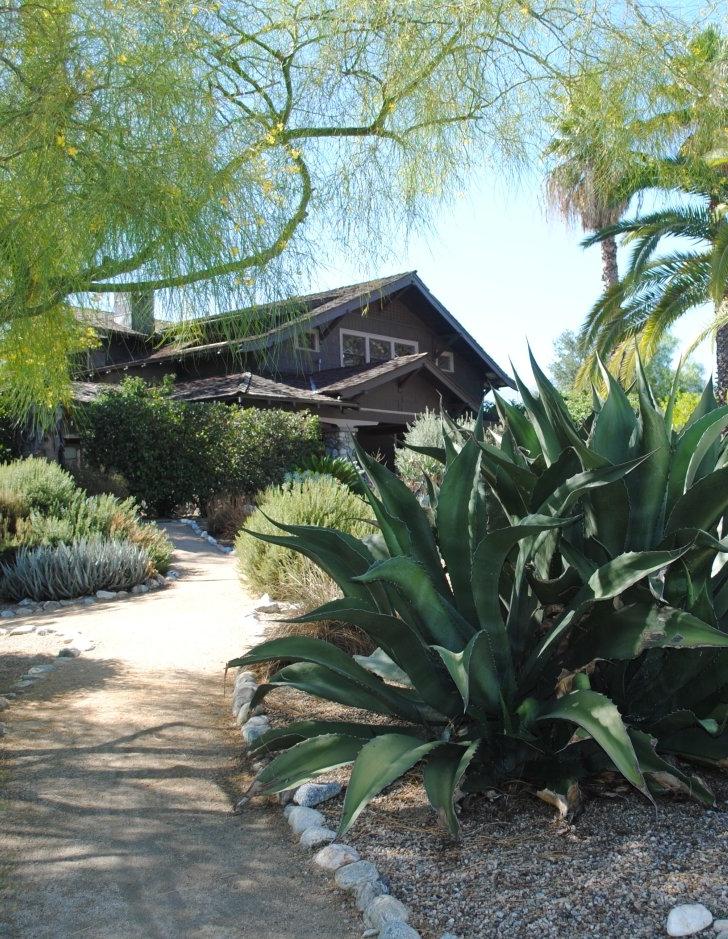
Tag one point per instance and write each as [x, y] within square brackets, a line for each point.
[721, 360]
[610, 271]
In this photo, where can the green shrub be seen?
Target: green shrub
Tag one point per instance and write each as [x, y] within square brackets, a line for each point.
[37, 485]
[285, 575]
[173, 453]
[338, 467]
[62, 571]
[97, 483]
[425, 431]
[574, 623]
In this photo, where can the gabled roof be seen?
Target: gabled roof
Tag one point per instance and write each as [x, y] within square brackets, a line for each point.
[319, 309]
[241, 386]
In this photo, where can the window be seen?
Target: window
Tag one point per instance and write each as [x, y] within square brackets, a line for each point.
[446, 361]
[308, 341]
[362, 348]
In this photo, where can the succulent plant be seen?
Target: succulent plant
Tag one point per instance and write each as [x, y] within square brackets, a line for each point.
[561, 609]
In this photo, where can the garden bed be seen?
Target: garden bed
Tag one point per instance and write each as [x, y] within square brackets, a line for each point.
[518, 871]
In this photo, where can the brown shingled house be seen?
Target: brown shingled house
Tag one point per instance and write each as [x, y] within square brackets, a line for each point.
[366, 358]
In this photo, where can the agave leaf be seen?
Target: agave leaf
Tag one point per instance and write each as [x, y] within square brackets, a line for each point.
[454, 523]
[378, 764]
[599, 717]
[405, 646]
[565, 796]
[690, 448]
[647, 483]
[306, 760]
[444, 625]
[337, 553]
[706, 404]
[549, 442]
[614, 424]
[488, 561]
[305, 649]
[627, 633]
[402, 505]
[281, 738]
[576, 486]
[666, 775]
[443, 772]
[556, 475]
[702, 505]
[380, 664]
[518, 424]
[324, 683]
[474, 669]
[698, 746]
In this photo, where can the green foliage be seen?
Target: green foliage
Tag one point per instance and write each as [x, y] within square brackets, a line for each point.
[39, 486]
[569, 358]
[338, 467]
[271, 568]
[562, 611]
[172, 453]
[65, 571]
[418, 457]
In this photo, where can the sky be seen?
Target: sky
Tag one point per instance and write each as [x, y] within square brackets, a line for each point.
[511, 271]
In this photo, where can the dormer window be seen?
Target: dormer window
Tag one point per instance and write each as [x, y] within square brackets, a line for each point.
[308, 341]
[367, 349]
[445, 362]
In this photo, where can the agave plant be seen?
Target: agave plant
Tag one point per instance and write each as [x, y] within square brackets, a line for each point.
[559, 610]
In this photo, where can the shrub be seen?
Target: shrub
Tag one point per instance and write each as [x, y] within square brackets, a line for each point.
[64, 571]
[174, 453]
[580, 628]
[97, 483]
[425, 431]
[37, 484]
[338, 467]
[226, 514]
[285, 575]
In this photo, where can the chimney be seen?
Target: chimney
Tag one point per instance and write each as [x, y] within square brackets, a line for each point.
[142, 311]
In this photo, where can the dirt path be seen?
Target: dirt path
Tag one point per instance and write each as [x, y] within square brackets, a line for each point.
[120, 771]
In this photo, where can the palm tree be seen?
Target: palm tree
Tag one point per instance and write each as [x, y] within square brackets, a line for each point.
[658, 288]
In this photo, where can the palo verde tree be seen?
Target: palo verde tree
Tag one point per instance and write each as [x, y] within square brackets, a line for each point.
[199, 150]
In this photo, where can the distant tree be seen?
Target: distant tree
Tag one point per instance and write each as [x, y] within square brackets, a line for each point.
[660, 369]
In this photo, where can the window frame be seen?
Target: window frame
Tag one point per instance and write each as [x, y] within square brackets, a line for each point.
[451, 359]
[367, 336]
[307, 332]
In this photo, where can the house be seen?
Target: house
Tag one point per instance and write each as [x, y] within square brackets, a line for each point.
[367, 358]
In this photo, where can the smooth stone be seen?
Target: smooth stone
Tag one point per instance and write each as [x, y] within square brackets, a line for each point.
[398, 930]
[243, 714]
[288, 809]
[334, 856]
[22, 683]
[23, 630]
[368, 891]
[687, 919]
[450, 935]
[69, 653]
[353, 875]
[250, 731]
[26, 601]
[244, 694]
[7, 614]
[312, 794]
[720, 925]
[383, 910]
[302, 818]
[4, 703]
[244, 678]
[139, 589]
[50, 606]
[88, 601]
[68, 602]
[106, 594]
[40, 669]
[121, 594]
[315, 837]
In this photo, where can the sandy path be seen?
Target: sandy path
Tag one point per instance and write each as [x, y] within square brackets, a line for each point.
[120, 771]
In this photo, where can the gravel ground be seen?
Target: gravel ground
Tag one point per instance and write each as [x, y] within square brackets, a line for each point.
[519, 872]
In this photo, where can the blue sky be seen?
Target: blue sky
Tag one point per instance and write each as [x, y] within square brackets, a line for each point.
[506, 267]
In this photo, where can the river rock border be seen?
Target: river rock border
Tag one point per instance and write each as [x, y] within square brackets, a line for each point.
[199, 530]
[384, 916]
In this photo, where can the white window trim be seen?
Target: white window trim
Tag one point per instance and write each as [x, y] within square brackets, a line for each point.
[450, 358]
[368, 336]
[301, 348]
